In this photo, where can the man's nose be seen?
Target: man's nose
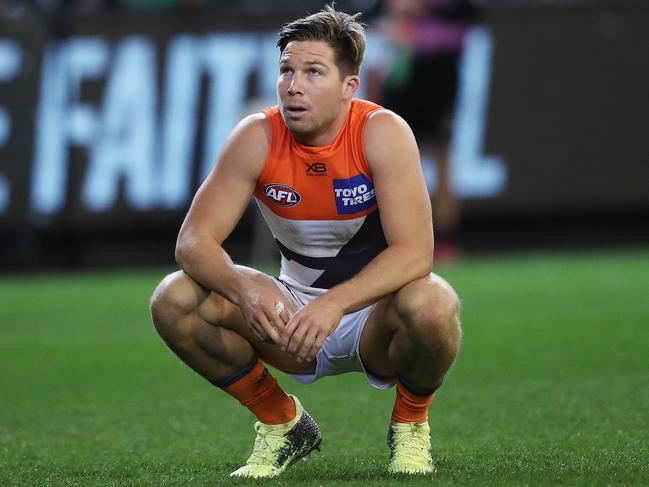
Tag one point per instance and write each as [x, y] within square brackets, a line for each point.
[295, 86]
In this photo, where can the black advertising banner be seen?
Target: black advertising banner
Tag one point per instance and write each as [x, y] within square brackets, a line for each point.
[119, 121]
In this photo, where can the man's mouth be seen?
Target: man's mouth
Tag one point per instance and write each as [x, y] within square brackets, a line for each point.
[295, 110]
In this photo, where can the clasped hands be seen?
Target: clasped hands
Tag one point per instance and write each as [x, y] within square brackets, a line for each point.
[300, 334]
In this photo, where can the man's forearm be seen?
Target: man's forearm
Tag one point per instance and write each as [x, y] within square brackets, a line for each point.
[392, 269]
[204, 259]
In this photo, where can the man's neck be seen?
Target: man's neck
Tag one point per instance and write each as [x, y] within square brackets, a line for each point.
[327, 135]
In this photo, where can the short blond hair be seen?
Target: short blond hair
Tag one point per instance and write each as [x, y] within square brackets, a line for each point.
[343, 32]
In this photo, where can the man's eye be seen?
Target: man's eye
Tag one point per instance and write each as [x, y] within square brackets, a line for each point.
[285, 70]
[314, 71]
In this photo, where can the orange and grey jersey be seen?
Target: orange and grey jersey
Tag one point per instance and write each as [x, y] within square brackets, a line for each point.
[319, 203]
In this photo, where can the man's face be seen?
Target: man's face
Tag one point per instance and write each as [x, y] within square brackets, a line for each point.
[309, 89]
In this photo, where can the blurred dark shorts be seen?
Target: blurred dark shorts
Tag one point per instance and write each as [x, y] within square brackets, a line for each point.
[426, 100]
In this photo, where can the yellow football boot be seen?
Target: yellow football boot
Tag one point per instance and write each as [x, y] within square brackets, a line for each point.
[278, 446]
[409, 445]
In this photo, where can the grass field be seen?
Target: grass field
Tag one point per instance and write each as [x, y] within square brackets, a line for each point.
[552, 386]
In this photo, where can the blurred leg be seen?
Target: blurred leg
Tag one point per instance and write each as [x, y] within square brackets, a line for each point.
[446, 206]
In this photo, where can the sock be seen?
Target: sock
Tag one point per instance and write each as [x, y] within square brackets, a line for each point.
[255, 387]
[412, 402]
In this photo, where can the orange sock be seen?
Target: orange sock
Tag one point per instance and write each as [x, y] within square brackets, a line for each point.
[409, 407]
[259, 391]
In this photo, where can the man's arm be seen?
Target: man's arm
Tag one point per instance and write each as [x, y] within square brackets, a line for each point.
[393, 157]
[216, 209]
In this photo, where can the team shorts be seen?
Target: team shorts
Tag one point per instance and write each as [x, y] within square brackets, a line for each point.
[425, 98]
[340, 352]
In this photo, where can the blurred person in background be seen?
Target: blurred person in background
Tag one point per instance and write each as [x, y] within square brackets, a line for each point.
[58, 15]
[421, 85]
[165, 4]
[355, 291]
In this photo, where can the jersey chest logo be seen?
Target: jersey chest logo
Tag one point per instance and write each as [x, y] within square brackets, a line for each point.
[282, 195]
[354, 194]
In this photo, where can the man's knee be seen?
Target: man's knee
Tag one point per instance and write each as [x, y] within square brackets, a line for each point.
[173, 299]
[428, 311]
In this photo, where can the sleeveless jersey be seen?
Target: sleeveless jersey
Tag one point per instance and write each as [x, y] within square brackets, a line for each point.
[319, 203]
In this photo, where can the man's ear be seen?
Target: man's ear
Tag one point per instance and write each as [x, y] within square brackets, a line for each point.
[350, 86]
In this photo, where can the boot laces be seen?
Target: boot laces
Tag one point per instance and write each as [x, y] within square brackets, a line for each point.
[411, 440]
[269, 440]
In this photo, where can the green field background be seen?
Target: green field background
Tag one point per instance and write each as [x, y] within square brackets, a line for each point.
[551, 387]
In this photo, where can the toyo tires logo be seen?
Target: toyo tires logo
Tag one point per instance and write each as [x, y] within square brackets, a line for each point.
[354, 194]
[282, 195]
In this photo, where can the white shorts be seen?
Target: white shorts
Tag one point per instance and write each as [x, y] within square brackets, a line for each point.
[340, 352]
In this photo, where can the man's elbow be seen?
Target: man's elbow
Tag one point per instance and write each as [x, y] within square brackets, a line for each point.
[426, 261]
[183, 249]
[420, 260]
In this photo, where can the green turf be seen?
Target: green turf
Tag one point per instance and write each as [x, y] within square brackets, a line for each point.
[551, 387]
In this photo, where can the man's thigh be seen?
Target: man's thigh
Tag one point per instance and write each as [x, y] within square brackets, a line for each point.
[376, 337]
[384, 322]
[218, 311]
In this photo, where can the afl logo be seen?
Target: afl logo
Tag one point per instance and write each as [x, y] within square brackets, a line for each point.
[282, 195]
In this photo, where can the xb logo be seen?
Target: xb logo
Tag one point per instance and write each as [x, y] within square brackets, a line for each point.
[316, 169]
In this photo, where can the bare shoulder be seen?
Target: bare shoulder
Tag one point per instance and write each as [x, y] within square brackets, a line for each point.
[388, 137]
[247, 146]
[255, 126]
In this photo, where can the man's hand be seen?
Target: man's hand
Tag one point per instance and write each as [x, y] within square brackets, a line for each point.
[266, 315]
[307, 330]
